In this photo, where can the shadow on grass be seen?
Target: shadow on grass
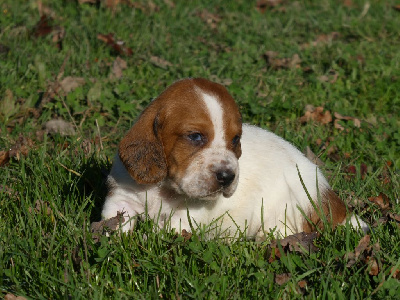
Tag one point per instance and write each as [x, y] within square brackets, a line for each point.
[93, 182]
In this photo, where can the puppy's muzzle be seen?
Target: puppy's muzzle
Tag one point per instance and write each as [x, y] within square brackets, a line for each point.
[225, 177]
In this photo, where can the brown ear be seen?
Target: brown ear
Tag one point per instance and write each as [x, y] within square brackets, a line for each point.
[141, 151]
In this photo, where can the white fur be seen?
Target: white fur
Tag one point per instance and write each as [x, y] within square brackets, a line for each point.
[269, 189]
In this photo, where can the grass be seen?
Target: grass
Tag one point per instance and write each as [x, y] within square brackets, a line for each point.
[49, 197]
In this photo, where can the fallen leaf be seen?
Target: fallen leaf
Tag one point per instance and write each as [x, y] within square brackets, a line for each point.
[395, 217]
[58, 36]
[317, 115]
[352, 257]
[302, 284]
[348, 3]
[373, 266]
[395, 272]
[313, 158]
[297, 242]
[21, 147]
[262, 5]
[112, 4]
[186, 235]
[13, 297]
[331, 77]
[381, 200]
[396, 7]
[46, 11]
[4, 157]
[42, 28]
[41, 206]
[169, 3]
[159, 62]
[59, 126]
[352, 171]
[210, 19]
[282, 278]
[118, 66]
[69, 83]
[103, 226]
[322, 39]
[356, 121]
[88, 1]
[116, 45]
[276, 63]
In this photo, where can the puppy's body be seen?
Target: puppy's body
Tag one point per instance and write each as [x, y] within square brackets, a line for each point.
[241, 177]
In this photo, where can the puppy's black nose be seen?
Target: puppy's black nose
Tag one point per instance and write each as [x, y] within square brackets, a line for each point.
[225, 177]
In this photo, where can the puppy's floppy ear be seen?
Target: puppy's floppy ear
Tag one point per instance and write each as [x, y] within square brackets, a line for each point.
[142, 152]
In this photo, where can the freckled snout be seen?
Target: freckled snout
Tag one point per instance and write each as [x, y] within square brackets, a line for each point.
[225, 177]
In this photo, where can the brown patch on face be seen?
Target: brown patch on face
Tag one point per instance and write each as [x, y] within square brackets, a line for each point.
[232, 117]
[333, 208]
[185, 112]
[158, 146]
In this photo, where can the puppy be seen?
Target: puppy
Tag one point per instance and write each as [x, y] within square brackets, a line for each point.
[188, 154]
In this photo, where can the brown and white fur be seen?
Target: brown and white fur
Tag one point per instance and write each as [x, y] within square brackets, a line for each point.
[189, 152]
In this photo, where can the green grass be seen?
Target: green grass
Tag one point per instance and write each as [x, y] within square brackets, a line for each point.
[49, 251]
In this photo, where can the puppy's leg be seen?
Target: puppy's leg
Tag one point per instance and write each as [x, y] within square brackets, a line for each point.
[118, 203]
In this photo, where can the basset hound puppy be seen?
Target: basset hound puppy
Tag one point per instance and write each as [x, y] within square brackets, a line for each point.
[189, 156]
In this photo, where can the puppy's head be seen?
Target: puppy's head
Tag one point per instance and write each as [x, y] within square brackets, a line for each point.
[189, 139]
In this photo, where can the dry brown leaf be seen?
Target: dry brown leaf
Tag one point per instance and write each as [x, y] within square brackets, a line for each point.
[352, 257]
[263, 5]
[186, 235]
[4, 157]
[112, 4]
[41, 206]
[112, 224]
[46, 11]
[69, 83]
[273, 62]
[298, 242]
[322, 39]
[210, 19]
[21, 147]
[170, 3]
[88, 1]
[395, 217]
[356, 121]
[43, 27]
[313, 158]
[117, 45]
[13, 297]
[348, 3]
[317, 115]
[282, 278]
[373, 266]
[59, 126]
[302, 284]
[331, 77]
[395, 272]
[118, 66]
[159, 62]
[381, 200]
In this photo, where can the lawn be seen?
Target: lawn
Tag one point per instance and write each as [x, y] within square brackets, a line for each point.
[74, 75]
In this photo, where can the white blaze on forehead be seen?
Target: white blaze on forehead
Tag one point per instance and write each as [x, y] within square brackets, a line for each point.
[216, 114]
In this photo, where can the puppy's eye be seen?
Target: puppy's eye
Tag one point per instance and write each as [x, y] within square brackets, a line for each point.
[196, 138]
[235, 140]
